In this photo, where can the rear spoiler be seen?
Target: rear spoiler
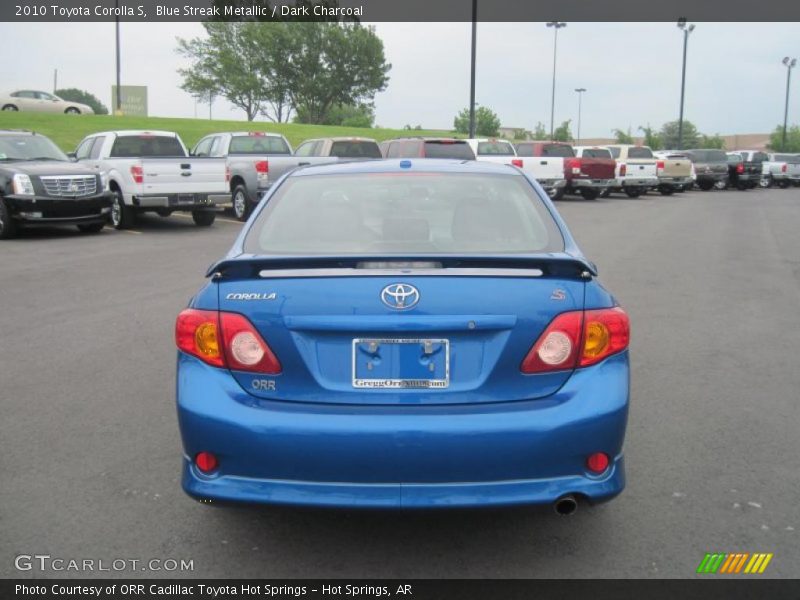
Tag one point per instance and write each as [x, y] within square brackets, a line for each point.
[248, 266]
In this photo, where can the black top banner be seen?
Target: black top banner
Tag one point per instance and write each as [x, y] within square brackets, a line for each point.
[399, 10]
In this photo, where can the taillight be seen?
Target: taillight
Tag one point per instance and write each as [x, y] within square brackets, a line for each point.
[623, 169]
[660, 165]
[578, 339]
[573, 165]
[137, 172]
[783, 168]
[262, 166]
[517, 162]
[224, 339]
[740, 168]
[227, 174]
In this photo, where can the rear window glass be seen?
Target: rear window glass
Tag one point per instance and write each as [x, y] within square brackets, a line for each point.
[258, 144]
[356, 149]
[447, 149]
[734, 158]
[790, 158]
[639, 152]
[129, 146]
[708, 156]
[596, 153]
[409, 213]
[524, 149]
[557, 150]
[495, 149]
[614, 152]
[760, 157]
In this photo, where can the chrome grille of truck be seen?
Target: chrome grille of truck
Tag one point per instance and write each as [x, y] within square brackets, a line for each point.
[72, 186]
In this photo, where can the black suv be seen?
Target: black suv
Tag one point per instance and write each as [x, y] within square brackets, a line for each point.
[40, 186]
[427, 147]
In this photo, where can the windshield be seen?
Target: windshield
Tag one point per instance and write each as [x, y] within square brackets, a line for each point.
[404, 213]
[561, 150]
[356, 149]
[258, 144]
[495, 149]
[29, 147]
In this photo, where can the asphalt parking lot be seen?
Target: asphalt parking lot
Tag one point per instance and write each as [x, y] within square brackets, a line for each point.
[90, 450]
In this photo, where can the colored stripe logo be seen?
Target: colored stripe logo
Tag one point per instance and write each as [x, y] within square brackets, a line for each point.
[735, 563]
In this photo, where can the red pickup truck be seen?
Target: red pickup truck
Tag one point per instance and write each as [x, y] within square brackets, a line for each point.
[591, 172]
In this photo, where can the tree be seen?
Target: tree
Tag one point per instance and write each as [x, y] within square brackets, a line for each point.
[84, 97]
[487, 123]
[520, 134]
[623, 137]
[792, 139]
[711, 141]
[228, 63]
[669, 136]
[539, 132]
[651, 138]
[347, 115]
[562, 132]
[322, 65]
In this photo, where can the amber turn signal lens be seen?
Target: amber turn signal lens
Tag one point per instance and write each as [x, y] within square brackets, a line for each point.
[206, 341]
[597, 338]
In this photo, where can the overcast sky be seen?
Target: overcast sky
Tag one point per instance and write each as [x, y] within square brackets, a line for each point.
[735, 80]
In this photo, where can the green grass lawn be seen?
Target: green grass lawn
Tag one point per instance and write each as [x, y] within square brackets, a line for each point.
[68, 130]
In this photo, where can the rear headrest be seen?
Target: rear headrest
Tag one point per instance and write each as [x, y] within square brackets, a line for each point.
[406, 230]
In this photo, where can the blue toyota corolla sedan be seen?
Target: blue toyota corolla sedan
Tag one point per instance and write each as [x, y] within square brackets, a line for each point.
[404, 333]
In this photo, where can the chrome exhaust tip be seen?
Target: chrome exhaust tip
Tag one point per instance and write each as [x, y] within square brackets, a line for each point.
[566, 505]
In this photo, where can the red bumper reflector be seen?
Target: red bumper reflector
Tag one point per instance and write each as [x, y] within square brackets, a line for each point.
[206, 462]
[597, 462]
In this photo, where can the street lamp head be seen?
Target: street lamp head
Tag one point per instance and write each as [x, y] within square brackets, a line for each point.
[556, 24]
[579, 90]
[682, 22]
[691, 28]
[789, 62]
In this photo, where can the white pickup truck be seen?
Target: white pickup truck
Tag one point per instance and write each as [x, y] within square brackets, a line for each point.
[773, 172]
[504, 153]
[792, 162]
[152, 171]
[545, 161]
[637, 170]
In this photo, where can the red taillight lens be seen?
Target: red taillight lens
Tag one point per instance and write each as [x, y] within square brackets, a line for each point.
[660, 165]
[206, 462]
[740, 168]
[573, 165]
[224, 339]
[606, 331]
[197, 333]
[623, 169]
[579, 339]
[557, 347]
[783, 168]
[517, 162]
[245, 350]
[597, 462]
[262, 166]
[137, 172]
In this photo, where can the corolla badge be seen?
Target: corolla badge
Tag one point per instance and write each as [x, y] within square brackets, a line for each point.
[400, 296]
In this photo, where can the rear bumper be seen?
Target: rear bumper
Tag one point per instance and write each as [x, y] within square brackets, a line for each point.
[181, 201]
[44, 211]
[624, 182]
[591, 183]
[712, 177]
[675, 180]
[525, 452]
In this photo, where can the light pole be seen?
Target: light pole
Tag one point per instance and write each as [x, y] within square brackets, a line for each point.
[472, 70]
[789, 63]
[687, 29]
[118, 108]
[580, 95]
[556, 25]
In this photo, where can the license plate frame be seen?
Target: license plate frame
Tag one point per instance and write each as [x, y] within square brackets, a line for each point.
[442, 382]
